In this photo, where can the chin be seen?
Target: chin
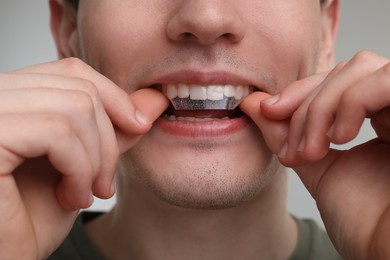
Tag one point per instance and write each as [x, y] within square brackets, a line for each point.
[202, 174]
[210, 186]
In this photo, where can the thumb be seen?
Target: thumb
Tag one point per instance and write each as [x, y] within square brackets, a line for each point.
[274, 131]
[149, 105]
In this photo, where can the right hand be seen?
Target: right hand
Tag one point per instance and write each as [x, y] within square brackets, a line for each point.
[63, 127]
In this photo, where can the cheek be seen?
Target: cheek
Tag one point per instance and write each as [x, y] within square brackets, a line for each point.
[114, 35]
[290, 35]
[281, 36]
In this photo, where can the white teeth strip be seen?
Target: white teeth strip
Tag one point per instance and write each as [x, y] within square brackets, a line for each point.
[192, 119]
[212, 92]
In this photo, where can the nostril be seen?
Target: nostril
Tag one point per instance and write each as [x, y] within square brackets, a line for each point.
[187, 36]
[205, 23]
[230, 37]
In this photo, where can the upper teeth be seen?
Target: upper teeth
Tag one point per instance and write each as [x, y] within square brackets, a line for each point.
[212, 92]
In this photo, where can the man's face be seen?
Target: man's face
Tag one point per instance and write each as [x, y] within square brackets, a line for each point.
[141, 43]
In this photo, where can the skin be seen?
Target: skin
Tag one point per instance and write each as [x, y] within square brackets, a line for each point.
[209, 50]
[90, 115]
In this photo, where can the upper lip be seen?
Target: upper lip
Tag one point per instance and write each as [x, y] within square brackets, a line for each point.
[205, 78]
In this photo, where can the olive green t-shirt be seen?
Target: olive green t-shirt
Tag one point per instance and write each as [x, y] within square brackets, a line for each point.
[313, 243]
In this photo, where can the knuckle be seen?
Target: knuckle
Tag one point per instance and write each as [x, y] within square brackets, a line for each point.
[74, 64]
[78, 68]
[386, 70]
[383, 79]
[364, 56]
[340, 65]
[59, 126]
[82, 102]
[89, 87]
[350, 97]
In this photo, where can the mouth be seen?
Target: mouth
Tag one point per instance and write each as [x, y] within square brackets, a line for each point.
[202, 103]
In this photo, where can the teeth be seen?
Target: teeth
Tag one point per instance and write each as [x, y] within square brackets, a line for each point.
[229, 91]
[213, 92]
[171, 91]
[198, 92]
[239, 93]
[183, 90]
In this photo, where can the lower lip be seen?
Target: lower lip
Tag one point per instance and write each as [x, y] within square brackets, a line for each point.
[214, 128]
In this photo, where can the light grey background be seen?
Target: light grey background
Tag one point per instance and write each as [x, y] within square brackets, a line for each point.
[25, 39]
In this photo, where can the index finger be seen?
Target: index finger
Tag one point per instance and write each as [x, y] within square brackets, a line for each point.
[116, 101]
[284, 104]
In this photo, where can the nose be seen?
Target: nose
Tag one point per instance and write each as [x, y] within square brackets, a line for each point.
[206, 22]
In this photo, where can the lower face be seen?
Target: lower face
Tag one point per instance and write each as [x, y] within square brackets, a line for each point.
[220, 162]
[188, 168]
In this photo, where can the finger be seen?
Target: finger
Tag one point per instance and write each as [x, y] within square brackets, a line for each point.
[300, 95]
[101, 143]
[293, 106]
[114, 99]
[323, 108]
[88, 118]
[121, 111]
[76, 106]
[14, 214]
[151, 104]
[367, 97]
[274, 132]
[381, 123]
[34, 135]
[284, 104]
[308, 138]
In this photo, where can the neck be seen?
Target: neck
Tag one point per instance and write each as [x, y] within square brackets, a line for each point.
[144, 227]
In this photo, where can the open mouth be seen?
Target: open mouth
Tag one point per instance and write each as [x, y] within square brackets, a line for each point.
[198, 103]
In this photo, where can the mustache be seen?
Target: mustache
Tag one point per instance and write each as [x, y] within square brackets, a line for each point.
[189, 57]
[204, 59]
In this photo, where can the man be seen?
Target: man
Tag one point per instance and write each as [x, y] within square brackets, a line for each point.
[201, 184]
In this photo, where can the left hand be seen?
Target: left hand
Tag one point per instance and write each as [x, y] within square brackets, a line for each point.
[351, 188]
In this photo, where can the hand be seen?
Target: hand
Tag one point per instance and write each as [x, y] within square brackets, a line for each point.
[63, 127]
[351, 188]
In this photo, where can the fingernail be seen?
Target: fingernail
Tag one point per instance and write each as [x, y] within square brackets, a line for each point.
[112, 189]
[301, 146]
[283, 152]
[331, 131]
[141, 118]
[272, 100]
[90, 200]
